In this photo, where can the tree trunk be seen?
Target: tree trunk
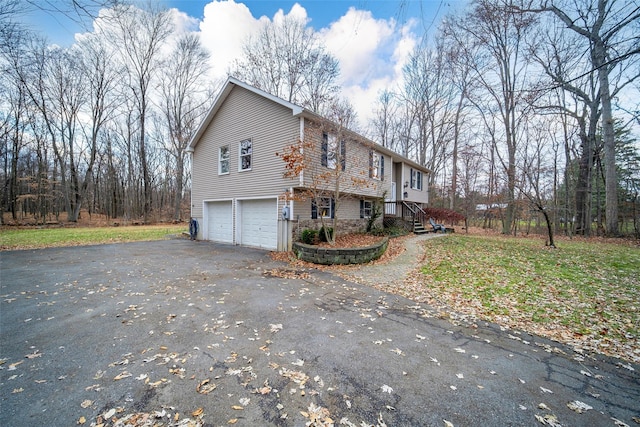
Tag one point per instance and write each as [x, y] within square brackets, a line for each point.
[549, 228]
[611, 179]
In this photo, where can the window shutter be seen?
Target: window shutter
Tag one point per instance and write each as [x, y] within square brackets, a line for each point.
[325, 149]
[361, 208]
[370, 166]
[343, 154]
[333, 208]
[381, 167]
[314, 210]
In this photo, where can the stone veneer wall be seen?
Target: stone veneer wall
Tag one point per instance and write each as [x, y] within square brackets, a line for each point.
[344, 225]
[330, 256]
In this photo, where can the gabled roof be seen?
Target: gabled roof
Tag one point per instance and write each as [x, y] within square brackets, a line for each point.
[296, 110]
[222, 96]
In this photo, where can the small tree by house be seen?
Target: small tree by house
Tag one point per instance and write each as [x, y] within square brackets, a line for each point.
[328, 170]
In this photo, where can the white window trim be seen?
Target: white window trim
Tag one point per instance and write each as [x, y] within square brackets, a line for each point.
[416, 184]
[322, 199]
[364, 208]
[220, 160]
[240, 169]
[332, 151]
[377, 168]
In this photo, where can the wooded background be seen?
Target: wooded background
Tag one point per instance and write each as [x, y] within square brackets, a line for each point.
[519, 108]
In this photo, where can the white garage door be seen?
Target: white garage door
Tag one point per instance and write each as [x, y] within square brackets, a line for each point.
[259, 223]
[220, 222]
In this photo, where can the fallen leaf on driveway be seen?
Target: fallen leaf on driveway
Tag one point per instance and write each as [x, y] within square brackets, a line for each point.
[122, 375]
[275, 328]
[578, 406]
[206, 387]
[33, 355]
[17, 390]
[12, 367]
[386, 389]
[85, 404]
[548, 420]
[619, 423]
[197, 412]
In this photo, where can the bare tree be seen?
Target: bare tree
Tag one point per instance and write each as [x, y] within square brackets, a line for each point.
[100, 77]
[610, 29]
[139, 38]
[329, 139]
[183, 102]
[535, 172]
[385, 120]
[286, 59]
[498, 38]
[429, 95]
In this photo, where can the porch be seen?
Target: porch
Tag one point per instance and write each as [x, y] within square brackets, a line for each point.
[409, 215]
[413, 217]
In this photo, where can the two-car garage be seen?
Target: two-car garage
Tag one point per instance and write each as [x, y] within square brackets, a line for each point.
[247, 222]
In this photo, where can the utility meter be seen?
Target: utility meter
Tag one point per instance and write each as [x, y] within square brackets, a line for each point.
[285, 213]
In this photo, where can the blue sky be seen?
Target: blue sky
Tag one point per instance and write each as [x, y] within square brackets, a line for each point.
[372, 39]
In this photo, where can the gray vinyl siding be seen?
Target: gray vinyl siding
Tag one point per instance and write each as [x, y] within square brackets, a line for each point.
[418, 196]
[243, 115]
[355, 178]
[349, 209]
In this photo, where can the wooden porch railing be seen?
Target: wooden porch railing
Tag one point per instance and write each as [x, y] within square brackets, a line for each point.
[408, 211]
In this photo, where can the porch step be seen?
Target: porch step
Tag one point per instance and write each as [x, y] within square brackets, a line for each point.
[418, 228]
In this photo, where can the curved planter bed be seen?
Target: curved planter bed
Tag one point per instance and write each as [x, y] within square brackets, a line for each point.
[330, 256]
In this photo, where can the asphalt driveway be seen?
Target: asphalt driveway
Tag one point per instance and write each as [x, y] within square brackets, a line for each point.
[178, 332]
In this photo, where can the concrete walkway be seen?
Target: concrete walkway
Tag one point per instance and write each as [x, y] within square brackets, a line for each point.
[393, 272]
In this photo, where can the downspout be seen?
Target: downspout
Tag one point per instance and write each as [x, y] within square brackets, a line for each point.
[301, 183]
[189, 151]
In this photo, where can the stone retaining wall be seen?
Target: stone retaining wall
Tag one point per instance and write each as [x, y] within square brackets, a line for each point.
[330, 256]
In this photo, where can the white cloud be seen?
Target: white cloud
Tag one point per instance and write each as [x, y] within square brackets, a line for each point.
[225, 27]
[359, 40]
[372, 53]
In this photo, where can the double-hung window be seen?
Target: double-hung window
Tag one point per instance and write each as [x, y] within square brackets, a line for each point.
[246, 150]
[223, 160]
[376, 165]
[416, 179]
[324, 208]
[366, 208]
[333, 152]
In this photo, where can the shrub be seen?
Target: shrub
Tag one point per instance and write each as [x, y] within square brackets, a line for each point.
[309, 236]
[376, 212]
[322, 236]
[393, 231]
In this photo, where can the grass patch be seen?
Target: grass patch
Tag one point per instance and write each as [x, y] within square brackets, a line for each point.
[31, 238]
[585, 293]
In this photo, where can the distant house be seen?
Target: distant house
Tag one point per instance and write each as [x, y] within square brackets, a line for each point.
[238, 180]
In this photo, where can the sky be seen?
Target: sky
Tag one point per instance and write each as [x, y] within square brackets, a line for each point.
[372, 39]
